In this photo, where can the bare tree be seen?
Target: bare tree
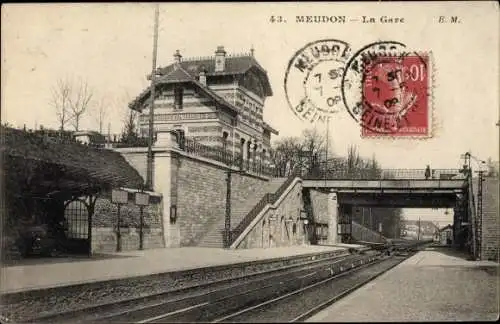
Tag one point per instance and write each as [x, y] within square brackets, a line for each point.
[354, 161]
[305, 153]
[492, 168]
[79, 102]
[129, 128]
[285, 155]
[60, 101]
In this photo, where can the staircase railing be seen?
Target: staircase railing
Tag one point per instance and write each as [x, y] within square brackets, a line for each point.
[268, 198]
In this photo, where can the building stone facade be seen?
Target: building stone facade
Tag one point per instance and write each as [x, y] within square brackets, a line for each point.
[216, 101]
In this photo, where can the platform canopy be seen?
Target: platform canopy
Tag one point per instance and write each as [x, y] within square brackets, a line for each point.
[43, 166]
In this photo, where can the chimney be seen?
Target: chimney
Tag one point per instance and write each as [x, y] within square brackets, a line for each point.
[220, 59]
[203, 77]
[177, 58]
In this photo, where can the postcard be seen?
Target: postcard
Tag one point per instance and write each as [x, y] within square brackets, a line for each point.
[274, 161]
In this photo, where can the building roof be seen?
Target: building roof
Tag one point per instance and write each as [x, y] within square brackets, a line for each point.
[93, 135]
[234, 65]
[270, 128]
[189, 69]
[175, 76]
[79, 167]
[181, 76]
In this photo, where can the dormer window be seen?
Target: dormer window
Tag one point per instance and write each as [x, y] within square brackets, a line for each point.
[178, 94]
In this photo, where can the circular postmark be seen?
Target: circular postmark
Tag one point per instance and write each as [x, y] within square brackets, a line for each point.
[313, 79]
[392, 89]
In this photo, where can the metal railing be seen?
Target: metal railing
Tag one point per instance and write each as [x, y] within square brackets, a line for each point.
[268, 198]
[226, 156]
[196, 149]
[385, 174]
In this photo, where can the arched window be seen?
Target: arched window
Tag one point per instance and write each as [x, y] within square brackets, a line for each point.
[224, 139]
[242, 153]
[249, 153]
[180, 135]
[76, 215]
[294, 228]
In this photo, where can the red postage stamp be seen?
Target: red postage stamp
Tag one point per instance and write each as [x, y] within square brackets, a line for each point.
[396, 96]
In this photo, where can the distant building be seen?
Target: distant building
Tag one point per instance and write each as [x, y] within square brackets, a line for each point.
[216, 101]
[446, 235]
[89, 137]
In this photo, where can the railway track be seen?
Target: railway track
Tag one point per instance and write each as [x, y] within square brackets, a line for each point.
[186, 295]
[291, 294]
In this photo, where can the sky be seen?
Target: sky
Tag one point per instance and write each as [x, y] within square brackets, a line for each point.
[110, 46]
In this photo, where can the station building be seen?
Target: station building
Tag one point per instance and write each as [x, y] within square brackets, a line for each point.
[216, 101]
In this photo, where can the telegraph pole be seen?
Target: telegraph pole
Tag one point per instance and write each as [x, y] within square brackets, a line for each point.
[149, 175]
[326, 151]
[418, 233]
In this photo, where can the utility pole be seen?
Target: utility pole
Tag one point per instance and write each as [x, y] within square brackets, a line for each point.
[149, 175]
[418, 233]
[109, 134]
[326, 151]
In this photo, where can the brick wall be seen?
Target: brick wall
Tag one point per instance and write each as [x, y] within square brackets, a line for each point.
[105, 220]
[200, 190]
[490, 231]
[275, 228]
[104, 239]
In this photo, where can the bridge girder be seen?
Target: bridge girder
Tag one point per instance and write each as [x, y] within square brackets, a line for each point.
[398, 200]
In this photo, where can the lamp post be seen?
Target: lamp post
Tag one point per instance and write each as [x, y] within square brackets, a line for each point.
[141, 199]
[475, 232]
[303, 217]
[119, 197]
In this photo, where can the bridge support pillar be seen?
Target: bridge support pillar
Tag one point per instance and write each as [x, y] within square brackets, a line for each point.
[345, 222]
[461, 225]
[333, 212]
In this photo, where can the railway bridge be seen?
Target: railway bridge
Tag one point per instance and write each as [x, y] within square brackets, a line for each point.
[403, 188]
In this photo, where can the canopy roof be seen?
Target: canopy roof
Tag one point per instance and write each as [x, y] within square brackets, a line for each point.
[64, 166]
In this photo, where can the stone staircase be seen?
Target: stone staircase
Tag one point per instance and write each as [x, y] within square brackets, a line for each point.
[215, 232]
